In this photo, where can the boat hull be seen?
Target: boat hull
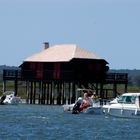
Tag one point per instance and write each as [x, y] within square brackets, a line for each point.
[89, 110]
[127, 106]
[9, 97]
[92, 110]
[121, 112]
[68, 108]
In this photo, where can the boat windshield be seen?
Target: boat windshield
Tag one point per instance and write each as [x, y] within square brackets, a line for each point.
[127, 99]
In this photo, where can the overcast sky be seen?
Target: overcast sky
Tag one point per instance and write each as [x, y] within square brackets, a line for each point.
[110, 28]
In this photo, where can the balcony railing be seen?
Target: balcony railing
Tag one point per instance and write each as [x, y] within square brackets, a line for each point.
[11, 74]
[119, 77]
[49, 75]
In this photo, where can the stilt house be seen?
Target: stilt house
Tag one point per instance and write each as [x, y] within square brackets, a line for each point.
[64, 63]
[53, 75]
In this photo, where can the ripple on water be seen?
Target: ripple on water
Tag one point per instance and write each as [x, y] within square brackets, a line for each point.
[37, 122]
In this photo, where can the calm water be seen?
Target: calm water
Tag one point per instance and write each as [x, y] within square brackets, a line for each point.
[37, 122]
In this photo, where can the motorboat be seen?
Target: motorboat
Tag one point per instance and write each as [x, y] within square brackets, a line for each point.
[68, 107]
[114, 101]
[9, 97]
[127, 105]
[94, 109]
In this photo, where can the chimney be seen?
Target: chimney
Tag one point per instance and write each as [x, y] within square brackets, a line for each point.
[46, 45]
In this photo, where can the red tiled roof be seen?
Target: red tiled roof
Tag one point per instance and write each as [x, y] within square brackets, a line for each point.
[61, 53]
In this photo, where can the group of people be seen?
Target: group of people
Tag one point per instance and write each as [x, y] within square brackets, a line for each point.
[83, 103]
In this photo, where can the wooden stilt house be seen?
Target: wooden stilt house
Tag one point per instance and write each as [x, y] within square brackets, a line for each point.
[64, 64]
[53, 75]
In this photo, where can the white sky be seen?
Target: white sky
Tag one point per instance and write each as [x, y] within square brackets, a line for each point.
[110, 28]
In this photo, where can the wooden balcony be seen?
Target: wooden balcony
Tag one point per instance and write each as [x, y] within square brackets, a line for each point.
[36, 75]
[11, 74]
[66, 75]
[116, 77]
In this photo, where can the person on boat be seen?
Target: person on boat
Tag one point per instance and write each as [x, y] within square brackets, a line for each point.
[76, 107]
[90, 99]
[87, 102]
[95, 98]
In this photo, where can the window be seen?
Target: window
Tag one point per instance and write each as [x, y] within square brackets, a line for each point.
[127, 99]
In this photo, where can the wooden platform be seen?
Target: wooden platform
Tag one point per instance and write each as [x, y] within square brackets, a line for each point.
[47, 91]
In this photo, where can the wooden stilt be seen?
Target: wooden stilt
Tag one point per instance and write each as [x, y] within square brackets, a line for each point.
[58, 94]
[73, 93]
[69, 90]
[40, 92]
[31, 93]
[16, 87]
[34, 92]
[27, 91]
[48, 93]
[44, 88]
[4, 85]
[101, 91]
[51, 94]
[63, 93]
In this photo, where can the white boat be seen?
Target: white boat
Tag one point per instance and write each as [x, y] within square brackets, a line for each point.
[114, 101]
[9, 97]
[68, 107]
[127, 105]
[95, 109]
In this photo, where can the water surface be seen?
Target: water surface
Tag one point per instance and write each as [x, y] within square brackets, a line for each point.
[38, 122]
